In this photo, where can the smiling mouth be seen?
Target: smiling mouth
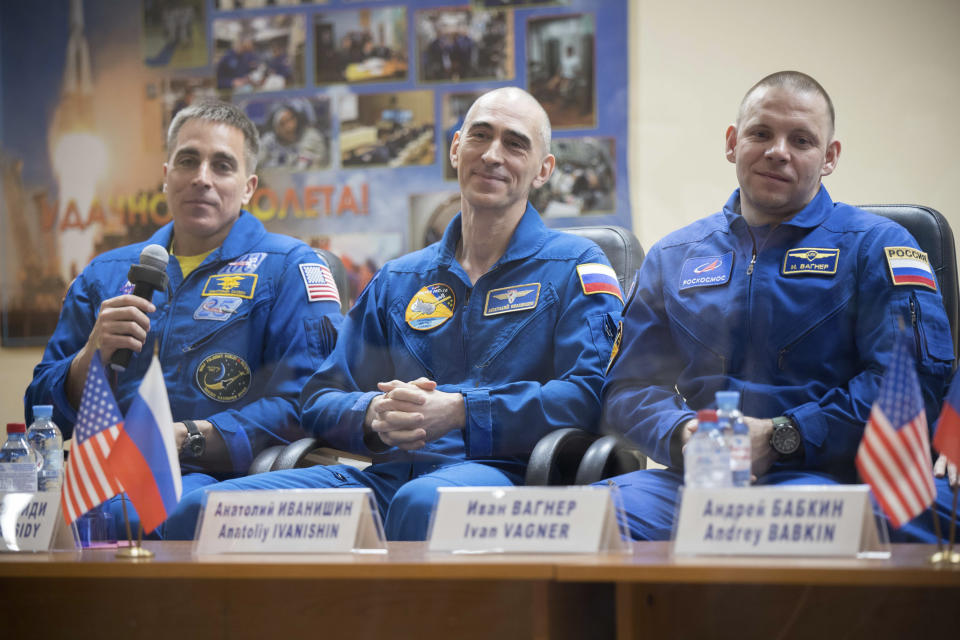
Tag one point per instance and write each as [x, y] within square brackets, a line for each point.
[773, 176]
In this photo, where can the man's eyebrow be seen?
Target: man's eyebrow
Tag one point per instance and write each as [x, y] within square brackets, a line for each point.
[186, 151]
[522, 137]
[226, 157]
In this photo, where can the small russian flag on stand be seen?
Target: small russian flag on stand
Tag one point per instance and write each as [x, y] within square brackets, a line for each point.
[599, 278]
[144, 457]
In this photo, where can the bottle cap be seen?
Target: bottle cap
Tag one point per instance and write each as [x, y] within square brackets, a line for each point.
[16, 427]
[728, 400]
[707, 415]
[42, 411]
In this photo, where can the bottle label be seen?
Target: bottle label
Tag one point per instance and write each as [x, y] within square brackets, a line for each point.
[18, 476]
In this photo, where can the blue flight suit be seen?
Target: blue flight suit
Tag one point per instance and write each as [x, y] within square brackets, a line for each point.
[525, 345]
[238, 338]
[800, 319]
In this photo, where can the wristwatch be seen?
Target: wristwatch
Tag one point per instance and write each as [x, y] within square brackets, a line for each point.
[785, 439]
[195, 442]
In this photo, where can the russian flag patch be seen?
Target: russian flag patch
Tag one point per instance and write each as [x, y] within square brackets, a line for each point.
[599, 278]
[909, 266]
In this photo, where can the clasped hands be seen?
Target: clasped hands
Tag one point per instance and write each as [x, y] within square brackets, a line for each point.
[408, 415]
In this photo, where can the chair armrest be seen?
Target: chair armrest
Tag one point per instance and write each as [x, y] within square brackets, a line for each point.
[557, 455]
[607, 457]
[308, 452]
[263, 461]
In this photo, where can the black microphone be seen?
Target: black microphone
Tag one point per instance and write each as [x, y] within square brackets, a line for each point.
[148, 276]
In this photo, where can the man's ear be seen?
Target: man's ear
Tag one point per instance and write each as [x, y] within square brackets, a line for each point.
[546, 168]
[730, 148]
[831, 158]
[250, 188]
[454, 146]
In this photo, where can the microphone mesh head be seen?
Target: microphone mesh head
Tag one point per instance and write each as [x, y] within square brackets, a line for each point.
[153, 255]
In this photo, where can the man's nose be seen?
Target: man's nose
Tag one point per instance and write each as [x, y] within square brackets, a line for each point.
[203, 175]
[778, 149]
[494, 152]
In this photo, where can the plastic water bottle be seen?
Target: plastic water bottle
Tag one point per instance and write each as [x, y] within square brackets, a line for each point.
[18, 461]
[738, 436]
[45, 437]
[706, 461]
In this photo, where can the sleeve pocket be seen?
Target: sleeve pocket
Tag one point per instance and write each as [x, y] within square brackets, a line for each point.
[603, 329]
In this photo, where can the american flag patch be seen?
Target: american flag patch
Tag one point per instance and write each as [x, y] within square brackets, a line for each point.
[319, 283]
[909, 266]
[599, 278]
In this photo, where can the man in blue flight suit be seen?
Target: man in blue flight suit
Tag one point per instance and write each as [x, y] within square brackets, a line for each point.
[245, 320]
[457, 358]
[785, 296]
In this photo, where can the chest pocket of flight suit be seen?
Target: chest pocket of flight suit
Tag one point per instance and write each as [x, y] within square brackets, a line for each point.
[522, 334]
[821, 331]
[236, 335]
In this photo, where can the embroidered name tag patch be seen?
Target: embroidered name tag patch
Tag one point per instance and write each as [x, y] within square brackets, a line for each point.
[247, 263]
[430, 307]
[237, 285]
[509, 299]
[708, 271]
[218, 308]
[810, 261]
[599, 278]
[909, 266]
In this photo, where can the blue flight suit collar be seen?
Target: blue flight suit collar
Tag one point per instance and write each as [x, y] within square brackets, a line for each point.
[528, 238]
[245, 234]
[812, 215]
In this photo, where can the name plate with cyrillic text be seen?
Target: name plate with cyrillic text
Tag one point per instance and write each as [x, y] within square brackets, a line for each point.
[28, 521]
[808, 520]
[289, 521]
[527, 520]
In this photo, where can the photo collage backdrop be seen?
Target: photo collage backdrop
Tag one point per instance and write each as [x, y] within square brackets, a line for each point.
[356, 103]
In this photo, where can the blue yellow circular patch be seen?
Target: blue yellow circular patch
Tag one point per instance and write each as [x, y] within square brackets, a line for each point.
[224, 377]
[430, 307]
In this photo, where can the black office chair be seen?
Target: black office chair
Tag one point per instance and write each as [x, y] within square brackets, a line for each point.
[267, 459]
[934, 236]
[557, 455]
[339, 277]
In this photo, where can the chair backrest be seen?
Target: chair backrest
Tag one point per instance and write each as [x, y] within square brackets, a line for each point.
[621, 247]
[934, 236]
[339, 277]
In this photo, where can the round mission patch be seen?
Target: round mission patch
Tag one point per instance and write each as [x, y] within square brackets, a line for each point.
[430, 307]
[224, 377]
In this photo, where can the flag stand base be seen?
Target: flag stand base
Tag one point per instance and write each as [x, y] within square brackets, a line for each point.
[943, 557]
[135, 553]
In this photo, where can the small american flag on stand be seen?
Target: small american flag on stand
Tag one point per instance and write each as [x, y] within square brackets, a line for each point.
[319, 283]
[894, 455]
[88, 481]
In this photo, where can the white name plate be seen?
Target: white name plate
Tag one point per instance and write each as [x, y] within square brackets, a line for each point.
[526, 519]
[289, 521]
[807, 520]
[28, 521]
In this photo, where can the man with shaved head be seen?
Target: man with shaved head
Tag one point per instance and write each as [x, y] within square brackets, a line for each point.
[785, 296]
[457, 358]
